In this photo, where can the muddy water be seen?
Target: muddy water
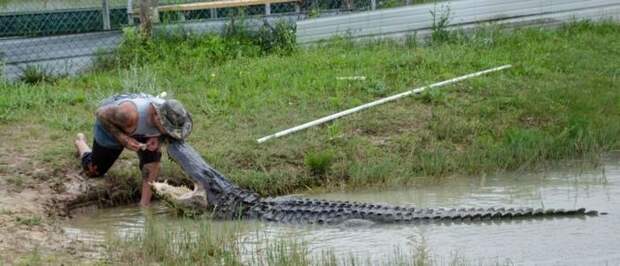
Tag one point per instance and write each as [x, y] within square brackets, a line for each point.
[589, 241]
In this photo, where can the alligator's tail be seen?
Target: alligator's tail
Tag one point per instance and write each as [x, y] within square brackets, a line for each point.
[297, 210]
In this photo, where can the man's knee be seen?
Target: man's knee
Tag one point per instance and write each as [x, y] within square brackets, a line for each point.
[147, 157]
[90, 169]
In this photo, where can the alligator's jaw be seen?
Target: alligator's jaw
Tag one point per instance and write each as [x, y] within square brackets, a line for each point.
[181, 198]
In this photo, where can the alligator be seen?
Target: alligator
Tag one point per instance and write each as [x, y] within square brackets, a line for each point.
[222, 199]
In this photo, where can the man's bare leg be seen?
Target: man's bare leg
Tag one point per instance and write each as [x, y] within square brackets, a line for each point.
[80, 145]
[150, 171]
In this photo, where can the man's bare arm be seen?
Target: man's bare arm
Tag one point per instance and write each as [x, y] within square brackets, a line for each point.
[116, 121]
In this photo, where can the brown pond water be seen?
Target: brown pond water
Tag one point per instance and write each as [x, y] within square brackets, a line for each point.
[566, 241]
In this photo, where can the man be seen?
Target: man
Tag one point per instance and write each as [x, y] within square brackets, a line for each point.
[138, 122]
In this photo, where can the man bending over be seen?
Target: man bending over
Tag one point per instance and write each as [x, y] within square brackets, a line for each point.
[138, 122]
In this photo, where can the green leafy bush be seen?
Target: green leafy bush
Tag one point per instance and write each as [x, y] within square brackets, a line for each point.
[280, 38]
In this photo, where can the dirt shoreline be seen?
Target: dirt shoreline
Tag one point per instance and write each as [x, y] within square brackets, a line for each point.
[32, 217]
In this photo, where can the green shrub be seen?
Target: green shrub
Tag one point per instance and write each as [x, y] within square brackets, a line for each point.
[441, 21]
[134, 48]
[280, 38]
[34, 74]
[319, 163]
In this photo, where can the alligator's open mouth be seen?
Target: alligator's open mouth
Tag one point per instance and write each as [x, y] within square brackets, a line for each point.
[181, 198]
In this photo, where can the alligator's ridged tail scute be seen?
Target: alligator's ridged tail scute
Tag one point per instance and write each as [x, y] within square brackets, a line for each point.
[334, 212]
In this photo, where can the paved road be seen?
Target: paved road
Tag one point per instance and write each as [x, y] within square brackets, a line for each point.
[58, 54]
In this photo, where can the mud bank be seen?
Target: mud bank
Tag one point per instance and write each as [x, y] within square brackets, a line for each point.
[31, 216]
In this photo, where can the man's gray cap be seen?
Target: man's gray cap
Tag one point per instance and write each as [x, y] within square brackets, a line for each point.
[174, 118]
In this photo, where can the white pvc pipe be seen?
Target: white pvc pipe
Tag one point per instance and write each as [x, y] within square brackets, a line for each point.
[377, 102]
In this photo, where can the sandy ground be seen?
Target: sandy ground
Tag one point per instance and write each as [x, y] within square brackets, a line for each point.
[34, 202]
[29, 224]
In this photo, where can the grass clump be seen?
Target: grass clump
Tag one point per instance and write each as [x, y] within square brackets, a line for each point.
[35, 74]
[206, 242]
[319, 163]
[441, 22]
[560, 100]
[29, 221]
[190, 244]
[237, 40]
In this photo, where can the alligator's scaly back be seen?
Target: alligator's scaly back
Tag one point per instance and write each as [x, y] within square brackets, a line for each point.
[230, 201]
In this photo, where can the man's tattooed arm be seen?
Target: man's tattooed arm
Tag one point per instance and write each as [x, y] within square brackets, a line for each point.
[115, 121]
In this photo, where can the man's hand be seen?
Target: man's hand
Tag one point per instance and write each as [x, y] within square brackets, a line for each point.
[152, 144]
[132, 144]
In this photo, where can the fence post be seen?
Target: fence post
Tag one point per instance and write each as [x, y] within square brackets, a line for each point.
[267, 9]
[297, 8]
[148, 15]
[130, 12]
[373, 4]
[105, 12]
[213, 12]
[408, 2]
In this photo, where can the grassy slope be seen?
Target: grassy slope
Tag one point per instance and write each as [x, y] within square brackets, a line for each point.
[561, 99]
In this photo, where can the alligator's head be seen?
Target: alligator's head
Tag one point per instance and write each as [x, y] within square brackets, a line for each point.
[220, 192]
[214, 184]
[181, 198]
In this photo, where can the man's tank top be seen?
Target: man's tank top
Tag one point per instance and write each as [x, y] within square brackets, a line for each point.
[144, 127]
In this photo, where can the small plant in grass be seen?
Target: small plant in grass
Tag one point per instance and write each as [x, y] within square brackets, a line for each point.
[376, 88]
[17, 181]
[104, 60]
[34, 74]
[441, 21]
[236, 28]
[411, 40]
[29, 221]
[319, 163]
[433, 96]
[2, 65]
[134, 48]
[279, 38]
[314, 12]
[34, 258]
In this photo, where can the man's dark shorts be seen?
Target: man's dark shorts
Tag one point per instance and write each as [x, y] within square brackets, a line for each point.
[97, 162]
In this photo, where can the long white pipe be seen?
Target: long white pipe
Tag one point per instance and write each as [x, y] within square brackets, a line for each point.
[377, 102]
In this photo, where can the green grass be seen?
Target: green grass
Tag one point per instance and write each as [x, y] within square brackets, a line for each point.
[205, 242]
[29, 221]
[561, 99]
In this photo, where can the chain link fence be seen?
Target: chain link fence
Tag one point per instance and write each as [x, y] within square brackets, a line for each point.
[59, 37]
[62, 36]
